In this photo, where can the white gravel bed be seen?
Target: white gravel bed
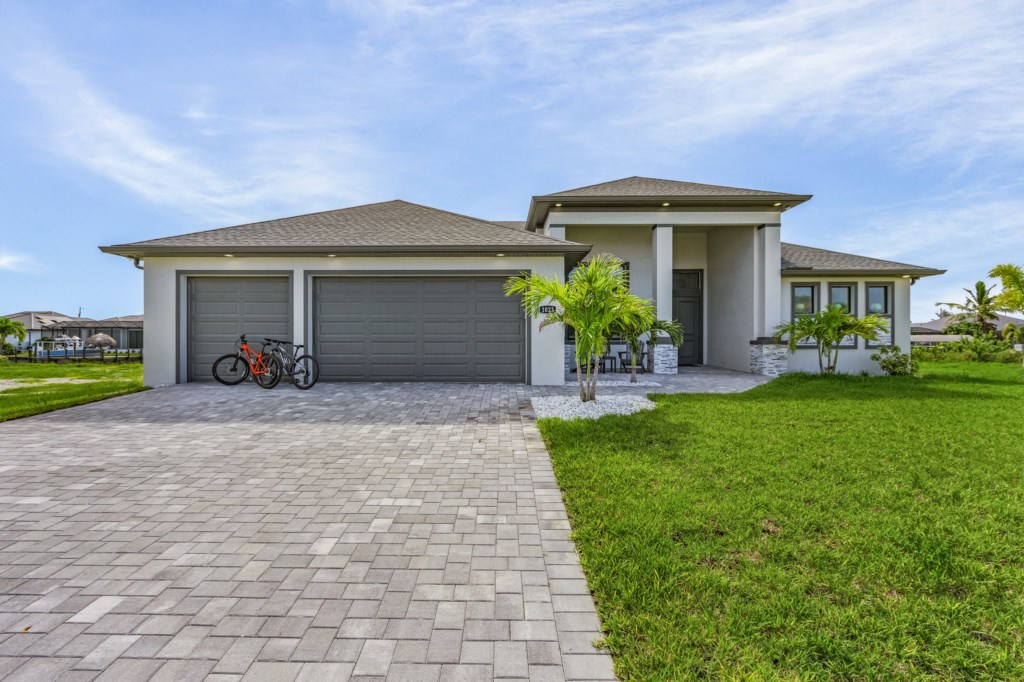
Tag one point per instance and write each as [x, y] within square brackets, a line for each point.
[639, 382]
[570, 407]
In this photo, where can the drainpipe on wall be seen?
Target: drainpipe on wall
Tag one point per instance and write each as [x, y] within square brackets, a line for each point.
[135, 262]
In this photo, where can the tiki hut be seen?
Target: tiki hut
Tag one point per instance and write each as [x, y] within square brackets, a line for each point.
[100, 341]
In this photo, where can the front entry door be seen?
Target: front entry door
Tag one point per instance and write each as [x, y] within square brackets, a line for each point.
[688, 310]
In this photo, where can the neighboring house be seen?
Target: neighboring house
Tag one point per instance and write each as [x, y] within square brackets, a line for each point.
[925, 340]
[938, 326]
[127, 330]
[401, 292]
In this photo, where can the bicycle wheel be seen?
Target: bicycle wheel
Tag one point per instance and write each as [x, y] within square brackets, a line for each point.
[305, 372]
[230, 369]
[272, 376]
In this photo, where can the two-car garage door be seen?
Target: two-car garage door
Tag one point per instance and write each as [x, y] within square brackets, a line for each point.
[455, 329]
[418, 329]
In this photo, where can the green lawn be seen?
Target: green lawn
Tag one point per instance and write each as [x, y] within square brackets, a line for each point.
[813, 528]
[33, 394]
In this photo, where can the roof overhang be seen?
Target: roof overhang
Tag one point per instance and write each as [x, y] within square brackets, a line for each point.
[541, 206]
[570, 250]
[909, 273]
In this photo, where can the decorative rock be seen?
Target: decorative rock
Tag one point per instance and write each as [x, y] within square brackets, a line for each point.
[619, 383]
[570, 407]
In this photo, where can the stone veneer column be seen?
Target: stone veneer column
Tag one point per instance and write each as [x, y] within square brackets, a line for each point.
[665, 357]
[768, 357]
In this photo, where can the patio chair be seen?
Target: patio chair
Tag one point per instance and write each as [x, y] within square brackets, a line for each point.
[626, 359]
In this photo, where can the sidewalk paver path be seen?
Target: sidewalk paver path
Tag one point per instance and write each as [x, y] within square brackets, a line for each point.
[365, 532]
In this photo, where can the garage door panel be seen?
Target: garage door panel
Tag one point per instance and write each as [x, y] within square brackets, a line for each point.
[501, 328]
[445, 328]
[220, 309]
[418, 328]
[377, 328]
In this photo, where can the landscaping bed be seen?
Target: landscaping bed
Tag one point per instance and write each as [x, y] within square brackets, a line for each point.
[812, 528]
[27, 389]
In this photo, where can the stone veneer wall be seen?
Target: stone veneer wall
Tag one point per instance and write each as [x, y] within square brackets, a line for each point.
[768, 358]
[666, 359]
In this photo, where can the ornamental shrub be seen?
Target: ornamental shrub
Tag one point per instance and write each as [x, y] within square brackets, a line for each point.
[894, 362]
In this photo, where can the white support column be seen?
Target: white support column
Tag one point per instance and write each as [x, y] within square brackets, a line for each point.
[770, 280]
[767, 357]
[666, 357]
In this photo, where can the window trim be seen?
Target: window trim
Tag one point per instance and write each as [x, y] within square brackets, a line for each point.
[890, 300]
[853, 305]
[815, 306]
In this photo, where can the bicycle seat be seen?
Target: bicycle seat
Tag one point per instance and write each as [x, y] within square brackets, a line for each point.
[299, 345]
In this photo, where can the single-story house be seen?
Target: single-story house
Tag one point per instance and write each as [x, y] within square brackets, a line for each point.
[127, 330]
[396, 291]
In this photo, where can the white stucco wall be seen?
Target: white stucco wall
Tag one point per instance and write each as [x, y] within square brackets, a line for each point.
[851, 360]
[733, 300]
[166, 297]
[732, 294]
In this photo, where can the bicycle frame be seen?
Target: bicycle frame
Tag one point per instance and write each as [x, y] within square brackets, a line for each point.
[254, 359]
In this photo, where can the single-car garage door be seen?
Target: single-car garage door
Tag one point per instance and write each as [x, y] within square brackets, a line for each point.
[418, 329]
[220, 309]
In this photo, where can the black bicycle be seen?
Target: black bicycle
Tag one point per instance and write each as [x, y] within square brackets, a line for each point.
[302, 368]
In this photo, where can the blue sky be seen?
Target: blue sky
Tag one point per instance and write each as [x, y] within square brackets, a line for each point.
[122, 121]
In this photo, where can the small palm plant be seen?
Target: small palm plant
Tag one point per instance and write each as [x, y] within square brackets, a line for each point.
[651, 326]
[593, 302]
[828, 328]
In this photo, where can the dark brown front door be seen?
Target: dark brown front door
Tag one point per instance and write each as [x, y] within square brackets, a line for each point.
[688, 310]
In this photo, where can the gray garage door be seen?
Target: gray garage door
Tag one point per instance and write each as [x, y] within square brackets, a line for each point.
[418, 329]
[222, 308]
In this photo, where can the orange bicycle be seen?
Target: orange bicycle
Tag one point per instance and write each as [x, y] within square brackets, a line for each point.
[234, 368]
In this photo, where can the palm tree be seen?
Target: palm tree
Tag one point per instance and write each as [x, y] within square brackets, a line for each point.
[828, 328]
[1012, 277]
[593, 302]
[1013, 334]
[981, 307]
[651, 326]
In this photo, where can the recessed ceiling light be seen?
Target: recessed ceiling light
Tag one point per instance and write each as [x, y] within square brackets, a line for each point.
[558, 205]
[331, 255]
[500, 254]
[778, 203]
[666, 204]
[229, 255]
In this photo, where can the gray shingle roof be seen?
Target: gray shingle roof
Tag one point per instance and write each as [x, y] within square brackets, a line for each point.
[654, 187]
[939, 326]
[810, 259]
[512, 224]
[391, 225]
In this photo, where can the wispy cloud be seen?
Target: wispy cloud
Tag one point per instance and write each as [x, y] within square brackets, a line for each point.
[15, 262]
[264, 166]
[937, 74]
[966, 233]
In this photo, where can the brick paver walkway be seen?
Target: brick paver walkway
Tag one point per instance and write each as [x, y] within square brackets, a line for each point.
[349, 532]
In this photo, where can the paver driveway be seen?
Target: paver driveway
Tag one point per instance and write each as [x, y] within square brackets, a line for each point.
[410, 532]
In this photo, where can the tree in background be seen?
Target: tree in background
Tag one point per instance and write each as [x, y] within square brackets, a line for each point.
[1012, 278]
[8, 328]
[980, 307]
